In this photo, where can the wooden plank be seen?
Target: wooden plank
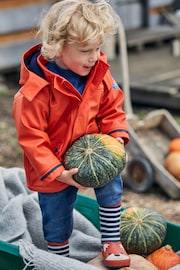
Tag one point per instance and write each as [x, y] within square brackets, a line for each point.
[17, 3]
[159, 9]
[156, 34]
[16, 36]
[156, 96]
[171, 18]
[162, 77]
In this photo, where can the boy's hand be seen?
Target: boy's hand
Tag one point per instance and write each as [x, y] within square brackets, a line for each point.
[67, 178]
[120, 140]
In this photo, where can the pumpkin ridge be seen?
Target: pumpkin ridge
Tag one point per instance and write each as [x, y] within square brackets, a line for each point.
[100, 138]
[109, 144]
[138, 230]
[158, 239]
[117, 151]
[148, 224]
[141, 235]
[153, 231]
[87, 157]
[73, 160]
[153, 222]
[84, 158]
[143, 240]
[113, 146]
[107, 162]
[129, 238]
[94, 173]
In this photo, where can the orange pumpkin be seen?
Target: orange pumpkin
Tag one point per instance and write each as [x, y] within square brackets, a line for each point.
[137, 263]
[140, 263]
[172, 164]
[174, 145]
[164, 258]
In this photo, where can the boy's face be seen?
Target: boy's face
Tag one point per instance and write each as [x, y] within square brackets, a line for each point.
[80, 59]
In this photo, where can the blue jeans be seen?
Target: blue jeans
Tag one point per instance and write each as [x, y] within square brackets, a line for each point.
[57, 208]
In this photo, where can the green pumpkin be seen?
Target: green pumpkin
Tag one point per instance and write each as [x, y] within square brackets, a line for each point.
[99, 158]
[143, 230]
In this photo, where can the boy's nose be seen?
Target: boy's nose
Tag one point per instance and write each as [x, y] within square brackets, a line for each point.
[94, 57]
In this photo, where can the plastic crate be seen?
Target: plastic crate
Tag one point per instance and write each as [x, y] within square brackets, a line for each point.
[9, 253]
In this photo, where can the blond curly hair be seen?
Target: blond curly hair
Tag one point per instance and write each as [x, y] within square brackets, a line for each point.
[76, 21]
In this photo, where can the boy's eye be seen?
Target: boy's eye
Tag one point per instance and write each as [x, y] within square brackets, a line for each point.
[89, 50]
[85, 51]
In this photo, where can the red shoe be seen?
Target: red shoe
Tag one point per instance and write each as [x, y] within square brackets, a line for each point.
[115, 255]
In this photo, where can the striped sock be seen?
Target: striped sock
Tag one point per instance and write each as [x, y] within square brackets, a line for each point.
[110, 223]
[60, 249]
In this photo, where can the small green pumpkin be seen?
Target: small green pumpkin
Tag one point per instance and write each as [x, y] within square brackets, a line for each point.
[99, 158]
[143, 230]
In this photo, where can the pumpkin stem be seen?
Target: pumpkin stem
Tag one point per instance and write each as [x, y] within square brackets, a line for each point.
[168, 247]
[139, 221]
[89, 151]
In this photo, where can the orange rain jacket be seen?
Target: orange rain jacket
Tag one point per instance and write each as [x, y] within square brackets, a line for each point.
[50, 114]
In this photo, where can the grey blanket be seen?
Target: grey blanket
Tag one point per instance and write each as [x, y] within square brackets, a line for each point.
[21, 224]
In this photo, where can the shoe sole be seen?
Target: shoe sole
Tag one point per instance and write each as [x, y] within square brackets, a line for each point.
[115, 264]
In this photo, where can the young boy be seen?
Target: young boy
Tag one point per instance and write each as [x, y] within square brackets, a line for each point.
[67, 91]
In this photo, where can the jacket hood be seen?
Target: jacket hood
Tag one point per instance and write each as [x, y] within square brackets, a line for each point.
[29, 63]
[31, 73]
[34, 74]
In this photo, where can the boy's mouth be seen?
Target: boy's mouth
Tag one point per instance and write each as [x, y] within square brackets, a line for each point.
[88, 67]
